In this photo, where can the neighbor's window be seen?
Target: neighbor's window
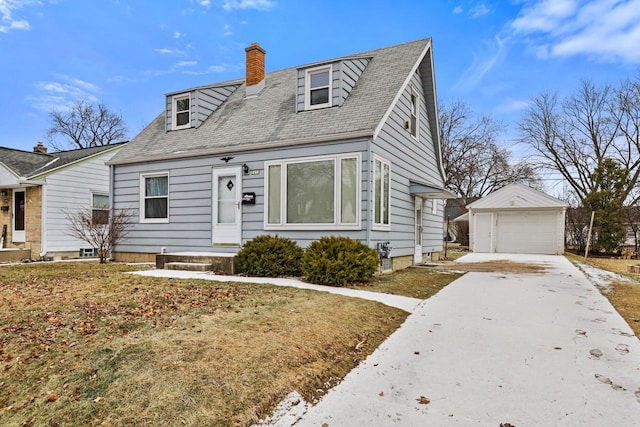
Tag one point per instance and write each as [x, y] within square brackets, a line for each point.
[319, 192]
[181, 111]
[318, 88]
[415, 113]
[381, 187]
[154, 197]
[99, 209]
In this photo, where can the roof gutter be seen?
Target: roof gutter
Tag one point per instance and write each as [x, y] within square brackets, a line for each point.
[248, 147]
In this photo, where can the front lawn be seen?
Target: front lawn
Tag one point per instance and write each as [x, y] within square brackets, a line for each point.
[414, 282]
[85, 344]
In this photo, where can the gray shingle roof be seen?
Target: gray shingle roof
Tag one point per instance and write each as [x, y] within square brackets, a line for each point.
[270, 117]
[28, 164]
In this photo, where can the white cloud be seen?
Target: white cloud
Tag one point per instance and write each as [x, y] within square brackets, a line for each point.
[165, 51]
[227, 30]
[482, 64]
[177, 35]
[61, 94]
[7, 9]
[478, 11]
[186, 64]
[458, 10]
[513, 105]
[248, 4]
[604, 30]
[205, 3]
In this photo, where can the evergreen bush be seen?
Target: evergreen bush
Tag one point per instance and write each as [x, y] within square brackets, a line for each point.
[270, 256]
[337, 261]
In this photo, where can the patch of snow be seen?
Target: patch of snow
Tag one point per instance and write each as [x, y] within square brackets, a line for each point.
[601, 278]
[287, 413]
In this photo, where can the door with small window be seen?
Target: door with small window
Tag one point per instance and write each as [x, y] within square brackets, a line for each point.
[227, 206]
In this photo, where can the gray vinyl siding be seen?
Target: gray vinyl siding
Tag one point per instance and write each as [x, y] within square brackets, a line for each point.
[68, 190]
[344, 76]
[410, 160]
[190, 199]
[203, 102]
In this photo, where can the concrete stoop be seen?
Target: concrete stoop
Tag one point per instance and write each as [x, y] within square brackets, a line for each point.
[195, 261]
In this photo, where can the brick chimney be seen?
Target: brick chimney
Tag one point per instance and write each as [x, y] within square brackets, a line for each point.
[40, 148]
[255, 69]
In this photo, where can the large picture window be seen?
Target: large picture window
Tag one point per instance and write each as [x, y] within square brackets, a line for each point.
[381, 189]
[318, 88]
[154, 191]
[313, 193]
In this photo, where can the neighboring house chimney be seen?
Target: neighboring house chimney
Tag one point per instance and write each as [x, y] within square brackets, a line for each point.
[40, 148]
[255, 69]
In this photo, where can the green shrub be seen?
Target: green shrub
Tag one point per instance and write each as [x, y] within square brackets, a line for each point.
[270, 256]
[337, 261]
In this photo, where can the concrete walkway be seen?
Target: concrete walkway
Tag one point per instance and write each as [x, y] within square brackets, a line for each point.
[542, 349]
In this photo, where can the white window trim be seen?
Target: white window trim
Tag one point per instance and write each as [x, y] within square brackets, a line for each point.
[143, 177]
[434, 206]
[307, 87]
[336, 225]
[174, 111]
[415, 93]
[380, 226]
[99, 193]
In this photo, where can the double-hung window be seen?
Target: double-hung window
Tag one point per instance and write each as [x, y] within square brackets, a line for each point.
[414, 122]
[154, 200]
[99, 209]
[313, 193]
[181, 118]
[318, 88]
[381, 196]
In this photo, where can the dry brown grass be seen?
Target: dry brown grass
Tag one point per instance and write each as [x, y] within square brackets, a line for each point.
[84, 344]
[414, 282]
[624, 296]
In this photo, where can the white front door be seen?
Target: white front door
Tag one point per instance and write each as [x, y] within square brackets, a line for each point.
[19, 207]
[227, 206]
[417, 256]
[482, 233]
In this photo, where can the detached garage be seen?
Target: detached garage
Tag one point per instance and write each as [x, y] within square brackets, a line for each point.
[517, 219]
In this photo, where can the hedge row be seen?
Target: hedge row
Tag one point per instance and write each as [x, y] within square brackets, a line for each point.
[331, 260]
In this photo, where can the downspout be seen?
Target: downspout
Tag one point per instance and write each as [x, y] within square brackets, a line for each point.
[111, 204]
[368, 192]
[43, 222]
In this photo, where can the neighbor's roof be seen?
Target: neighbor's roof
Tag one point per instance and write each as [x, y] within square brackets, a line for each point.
[517, 196]
[271, 116]
[27, 164]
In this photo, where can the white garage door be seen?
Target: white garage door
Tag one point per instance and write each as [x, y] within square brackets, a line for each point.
[527, 232]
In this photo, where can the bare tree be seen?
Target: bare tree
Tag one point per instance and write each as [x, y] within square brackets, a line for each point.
[576, 136]
[474, 163]
[85, 125]
[102, 232]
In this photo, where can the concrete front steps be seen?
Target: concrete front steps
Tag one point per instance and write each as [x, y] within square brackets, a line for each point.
[197, 261]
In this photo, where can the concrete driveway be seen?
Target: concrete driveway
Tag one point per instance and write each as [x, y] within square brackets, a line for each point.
[536, 349]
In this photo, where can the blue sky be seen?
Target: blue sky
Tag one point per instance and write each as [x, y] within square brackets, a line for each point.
[494, 55]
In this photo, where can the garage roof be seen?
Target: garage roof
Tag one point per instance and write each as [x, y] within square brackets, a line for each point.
[517, 196]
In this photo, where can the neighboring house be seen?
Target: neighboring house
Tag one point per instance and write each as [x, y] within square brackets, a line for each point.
[455, 211]
[346, 146]
[37, 188]
[517, 219]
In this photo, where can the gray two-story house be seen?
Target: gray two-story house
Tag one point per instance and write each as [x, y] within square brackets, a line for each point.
[347, 146]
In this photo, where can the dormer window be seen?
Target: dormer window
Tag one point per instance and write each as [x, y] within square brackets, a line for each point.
[318, 88]
[181, 111]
